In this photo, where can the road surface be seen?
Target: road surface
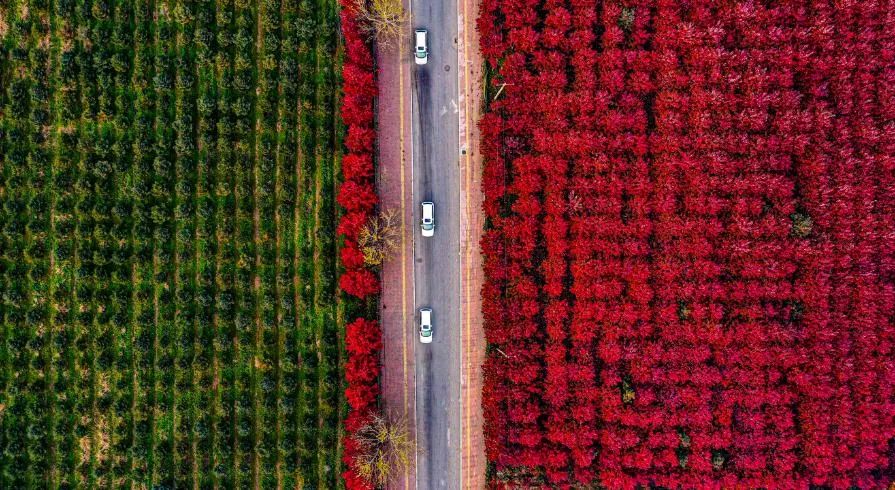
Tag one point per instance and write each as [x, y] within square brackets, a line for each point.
[436, 178]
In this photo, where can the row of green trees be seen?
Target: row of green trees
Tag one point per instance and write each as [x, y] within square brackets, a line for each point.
[168, 308]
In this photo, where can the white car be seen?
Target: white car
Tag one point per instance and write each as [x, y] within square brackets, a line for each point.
[426, 325]
[421, 51]
[427, 223]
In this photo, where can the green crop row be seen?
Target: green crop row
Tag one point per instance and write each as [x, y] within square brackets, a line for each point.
[168, 307]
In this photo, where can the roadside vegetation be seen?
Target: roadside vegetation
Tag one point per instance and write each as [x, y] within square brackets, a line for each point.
[382, 21]
[358, 280]
[385, 449]
[379, 238]
[170, 314]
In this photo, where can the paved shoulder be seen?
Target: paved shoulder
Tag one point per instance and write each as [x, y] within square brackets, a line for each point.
[471, 227]
[394, 180]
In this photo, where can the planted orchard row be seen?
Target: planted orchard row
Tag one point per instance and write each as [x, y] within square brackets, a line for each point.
[164, 321]
[25, 230]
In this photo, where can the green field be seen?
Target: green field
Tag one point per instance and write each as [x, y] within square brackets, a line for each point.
[169, 314]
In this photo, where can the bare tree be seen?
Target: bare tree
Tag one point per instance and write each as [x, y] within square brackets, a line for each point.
[382, 20]
[385, 449]
[379, 238]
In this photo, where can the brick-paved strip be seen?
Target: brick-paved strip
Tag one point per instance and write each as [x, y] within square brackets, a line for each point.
[394, 184]
[471, 226]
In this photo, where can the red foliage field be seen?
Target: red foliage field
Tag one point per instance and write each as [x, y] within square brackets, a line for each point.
[357, 197]
[690, 259]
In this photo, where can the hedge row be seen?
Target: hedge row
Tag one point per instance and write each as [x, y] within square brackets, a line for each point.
[357, 197]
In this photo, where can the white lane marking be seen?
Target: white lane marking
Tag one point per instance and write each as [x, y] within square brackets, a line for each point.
[443, 111]
[456, 108]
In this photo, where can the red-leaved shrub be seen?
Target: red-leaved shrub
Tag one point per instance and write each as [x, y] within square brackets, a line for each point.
[357, 196]
[359, 282]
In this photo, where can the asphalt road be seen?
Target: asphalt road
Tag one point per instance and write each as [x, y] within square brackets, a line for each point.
[436, 178]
